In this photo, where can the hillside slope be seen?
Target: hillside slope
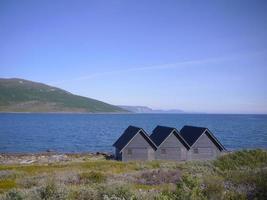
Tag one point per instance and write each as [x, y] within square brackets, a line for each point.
[18, 95]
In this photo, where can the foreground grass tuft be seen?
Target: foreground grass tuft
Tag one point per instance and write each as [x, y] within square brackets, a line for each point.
[7, 184]
[92, 177]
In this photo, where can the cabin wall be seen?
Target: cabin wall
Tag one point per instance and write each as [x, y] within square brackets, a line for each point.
[171, 149]
[138, 149]
[203, 149]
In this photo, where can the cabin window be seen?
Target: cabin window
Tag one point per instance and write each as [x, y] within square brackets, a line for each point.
[195, 150]
[129, 151]
[163, 151]
[205, 150]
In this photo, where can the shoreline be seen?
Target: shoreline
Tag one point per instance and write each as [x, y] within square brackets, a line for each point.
[51, 157]
[53, 153]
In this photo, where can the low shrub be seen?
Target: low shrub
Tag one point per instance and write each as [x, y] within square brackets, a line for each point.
[199, 167]
[146, 195]
[260, 191]
[6, 174]
[167, 195]
[116, 192]
[234, 195]
[51, 191]
[13, 195]
[213, 187]
[84, 193]
[189, 188]
[92, 177]
[28, 182]
[156, 177]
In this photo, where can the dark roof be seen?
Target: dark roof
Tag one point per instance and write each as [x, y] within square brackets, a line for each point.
[128, 134]
[160, 133]
[192, 133]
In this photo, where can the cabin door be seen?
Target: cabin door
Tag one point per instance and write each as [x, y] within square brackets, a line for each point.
[150, 154]
[183, 154]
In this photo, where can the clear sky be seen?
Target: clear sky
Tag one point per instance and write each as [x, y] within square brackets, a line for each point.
[202, 56]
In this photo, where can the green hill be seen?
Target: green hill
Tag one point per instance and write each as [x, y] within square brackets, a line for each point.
[18, 95]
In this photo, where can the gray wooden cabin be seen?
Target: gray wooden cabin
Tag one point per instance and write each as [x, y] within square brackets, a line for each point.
[203, 144]
[167, 143]
[170, 145]
[134, 144]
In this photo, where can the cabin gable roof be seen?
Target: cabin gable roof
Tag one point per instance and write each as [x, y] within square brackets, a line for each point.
[192, 133]
[129, 134]
[215, 140]
[161, 133]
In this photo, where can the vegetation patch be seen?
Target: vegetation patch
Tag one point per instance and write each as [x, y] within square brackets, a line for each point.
[92, 177]
[84, 193]
[52, 191]
[116, 192]
[242, 159]
[158, 177]
[7, 184]
[13, 195]
[236, 176]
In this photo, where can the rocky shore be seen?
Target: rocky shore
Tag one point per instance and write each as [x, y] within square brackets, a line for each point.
[50, 157]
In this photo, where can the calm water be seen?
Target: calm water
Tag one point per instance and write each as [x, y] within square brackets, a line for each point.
[88, 132]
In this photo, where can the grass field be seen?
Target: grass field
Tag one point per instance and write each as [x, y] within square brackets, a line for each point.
[239, 175]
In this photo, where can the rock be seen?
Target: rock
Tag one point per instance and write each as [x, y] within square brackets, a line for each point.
[50, 151]
[57, 158]
[27, 161]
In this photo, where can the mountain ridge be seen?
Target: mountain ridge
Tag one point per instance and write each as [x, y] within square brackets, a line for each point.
[20, 95]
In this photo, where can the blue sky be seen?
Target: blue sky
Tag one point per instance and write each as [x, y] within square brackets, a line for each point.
[201, 56]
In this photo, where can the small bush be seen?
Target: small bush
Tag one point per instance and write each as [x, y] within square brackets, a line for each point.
[5, 174]
[233, 195]
[85, 193]
[214, 187]
[52, 192]
[28, 182]
[189, 188]
[167, 195]
[116, 192]
[261, 185]
[157, 177]
[13, 195]
[92, 177]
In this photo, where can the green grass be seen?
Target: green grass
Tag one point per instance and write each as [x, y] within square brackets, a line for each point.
[242, 159]
[92, 177]
[7, 184]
